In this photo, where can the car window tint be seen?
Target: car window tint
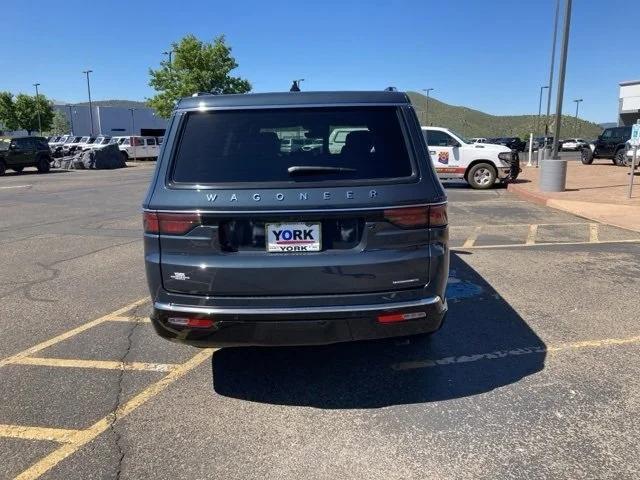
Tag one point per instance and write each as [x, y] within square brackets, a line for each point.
[436, 138]
[246, 145]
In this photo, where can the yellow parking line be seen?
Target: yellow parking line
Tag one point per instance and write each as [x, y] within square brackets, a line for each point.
[498, 354]
[472, 238]
[129, 319]
[83, 437]
[543, 244]
[60, 435]
[593, 233]
[100, 364]
[533, 232]
[68, 334]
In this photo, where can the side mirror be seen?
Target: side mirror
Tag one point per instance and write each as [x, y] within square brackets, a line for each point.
[454, 143]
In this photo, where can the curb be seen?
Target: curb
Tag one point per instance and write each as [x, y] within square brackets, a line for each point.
[569, 206]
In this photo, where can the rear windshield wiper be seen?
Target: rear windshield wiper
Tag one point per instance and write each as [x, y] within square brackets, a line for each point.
[303, 169]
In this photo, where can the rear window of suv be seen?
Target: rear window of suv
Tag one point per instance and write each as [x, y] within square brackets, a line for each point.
[248, 146]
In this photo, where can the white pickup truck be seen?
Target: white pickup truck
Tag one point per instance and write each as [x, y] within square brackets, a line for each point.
[481, 165]
[139, 148]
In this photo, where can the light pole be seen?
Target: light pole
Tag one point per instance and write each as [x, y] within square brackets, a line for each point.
[577, 100]
[134, 141]
[540, 110]
[561, 76]
[38, 108]
[87, 72]
[426, 104]
[553, 61]
[71, 116]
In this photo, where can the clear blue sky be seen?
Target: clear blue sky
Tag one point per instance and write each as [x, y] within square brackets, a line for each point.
[491, 55]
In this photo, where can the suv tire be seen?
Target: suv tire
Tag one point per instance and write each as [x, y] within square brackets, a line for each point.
[43, 165]
[619, 159]
[3, 168]
[125, 156]
[586, 155]
[482, 176]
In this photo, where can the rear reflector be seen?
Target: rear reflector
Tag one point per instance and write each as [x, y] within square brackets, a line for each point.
[191, 322]
[418, 217]
[170, 223]
[400, 317]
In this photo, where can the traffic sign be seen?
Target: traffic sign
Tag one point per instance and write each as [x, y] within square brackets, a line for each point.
[635, 135]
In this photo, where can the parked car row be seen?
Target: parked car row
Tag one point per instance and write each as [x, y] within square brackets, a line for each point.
[131, 147]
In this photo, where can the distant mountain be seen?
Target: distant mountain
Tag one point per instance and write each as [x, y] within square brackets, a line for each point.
[116, 103]
[474, 123]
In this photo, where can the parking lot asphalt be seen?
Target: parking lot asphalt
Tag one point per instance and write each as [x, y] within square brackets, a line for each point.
[534, 374]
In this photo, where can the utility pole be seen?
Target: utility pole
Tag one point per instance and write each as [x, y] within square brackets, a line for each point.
[577, 100]
[38, 108]
[553, 61]
[426, 104]
[561, 76]
[540, 109]
[87, 72]
[170, 53]
[134, 141]
[71, 116]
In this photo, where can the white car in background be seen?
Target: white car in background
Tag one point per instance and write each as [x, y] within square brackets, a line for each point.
[100, 142]
[574, 144]
[85, 143]
[136, 147]
[481, 165]
[70, 145]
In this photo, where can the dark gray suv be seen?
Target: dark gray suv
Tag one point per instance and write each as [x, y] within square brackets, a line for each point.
[250, 243]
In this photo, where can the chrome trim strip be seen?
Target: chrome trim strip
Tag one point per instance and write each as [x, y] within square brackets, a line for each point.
[171, 307]
[306, 210]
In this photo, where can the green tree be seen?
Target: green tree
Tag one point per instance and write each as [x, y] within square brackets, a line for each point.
[60, 124]
[197, 66]
[8, 112]
[26, 111]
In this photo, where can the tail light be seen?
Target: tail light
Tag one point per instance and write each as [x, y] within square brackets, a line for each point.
[418, 217]
[170, 223]
[191, 322]
[400, 317]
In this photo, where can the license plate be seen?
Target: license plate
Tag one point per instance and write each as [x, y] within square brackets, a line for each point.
[293, 237]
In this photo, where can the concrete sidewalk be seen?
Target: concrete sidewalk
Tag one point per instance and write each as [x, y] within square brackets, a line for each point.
[597, 192]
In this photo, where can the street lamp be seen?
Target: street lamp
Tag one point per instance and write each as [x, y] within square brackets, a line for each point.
[577, 100]
[38, 108]
[426, 104]
[71, 116]
[87, 72]
[561, 76]
[553, 61]
[540, 109]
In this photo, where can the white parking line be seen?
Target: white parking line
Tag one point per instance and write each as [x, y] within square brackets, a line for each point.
[15, 186]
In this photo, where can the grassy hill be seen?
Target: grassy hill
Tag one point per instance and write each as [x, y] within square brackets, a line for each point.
[473, 123]
[116, 103]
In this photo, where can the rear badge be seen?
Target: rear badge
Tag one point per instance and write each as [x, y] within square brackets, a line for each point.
[179, 276]
[293, 237]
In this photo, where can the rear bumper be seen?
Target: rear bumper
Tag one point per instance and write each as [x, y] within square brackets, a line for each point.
[317, 325]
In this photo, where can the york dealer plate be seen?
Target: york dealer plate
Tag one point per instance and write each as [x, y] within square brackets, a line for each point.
[293, 237]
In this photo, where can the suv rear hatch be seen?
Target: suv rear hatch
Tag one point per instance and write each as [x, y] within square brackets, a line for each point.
[237, 159]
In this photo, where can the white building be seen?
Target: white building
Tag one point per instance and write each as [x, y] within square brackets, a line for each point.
[113, 120]
[629, 109]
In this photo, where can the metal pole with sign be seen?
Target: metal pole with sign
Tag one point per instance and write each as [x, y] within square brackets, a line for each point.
[635, 142]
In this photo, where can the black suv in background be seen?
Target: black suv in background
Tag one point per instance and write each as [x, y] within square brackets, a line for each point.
[250, 242]
[611, 144]
[20, 152]
[514, 143]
